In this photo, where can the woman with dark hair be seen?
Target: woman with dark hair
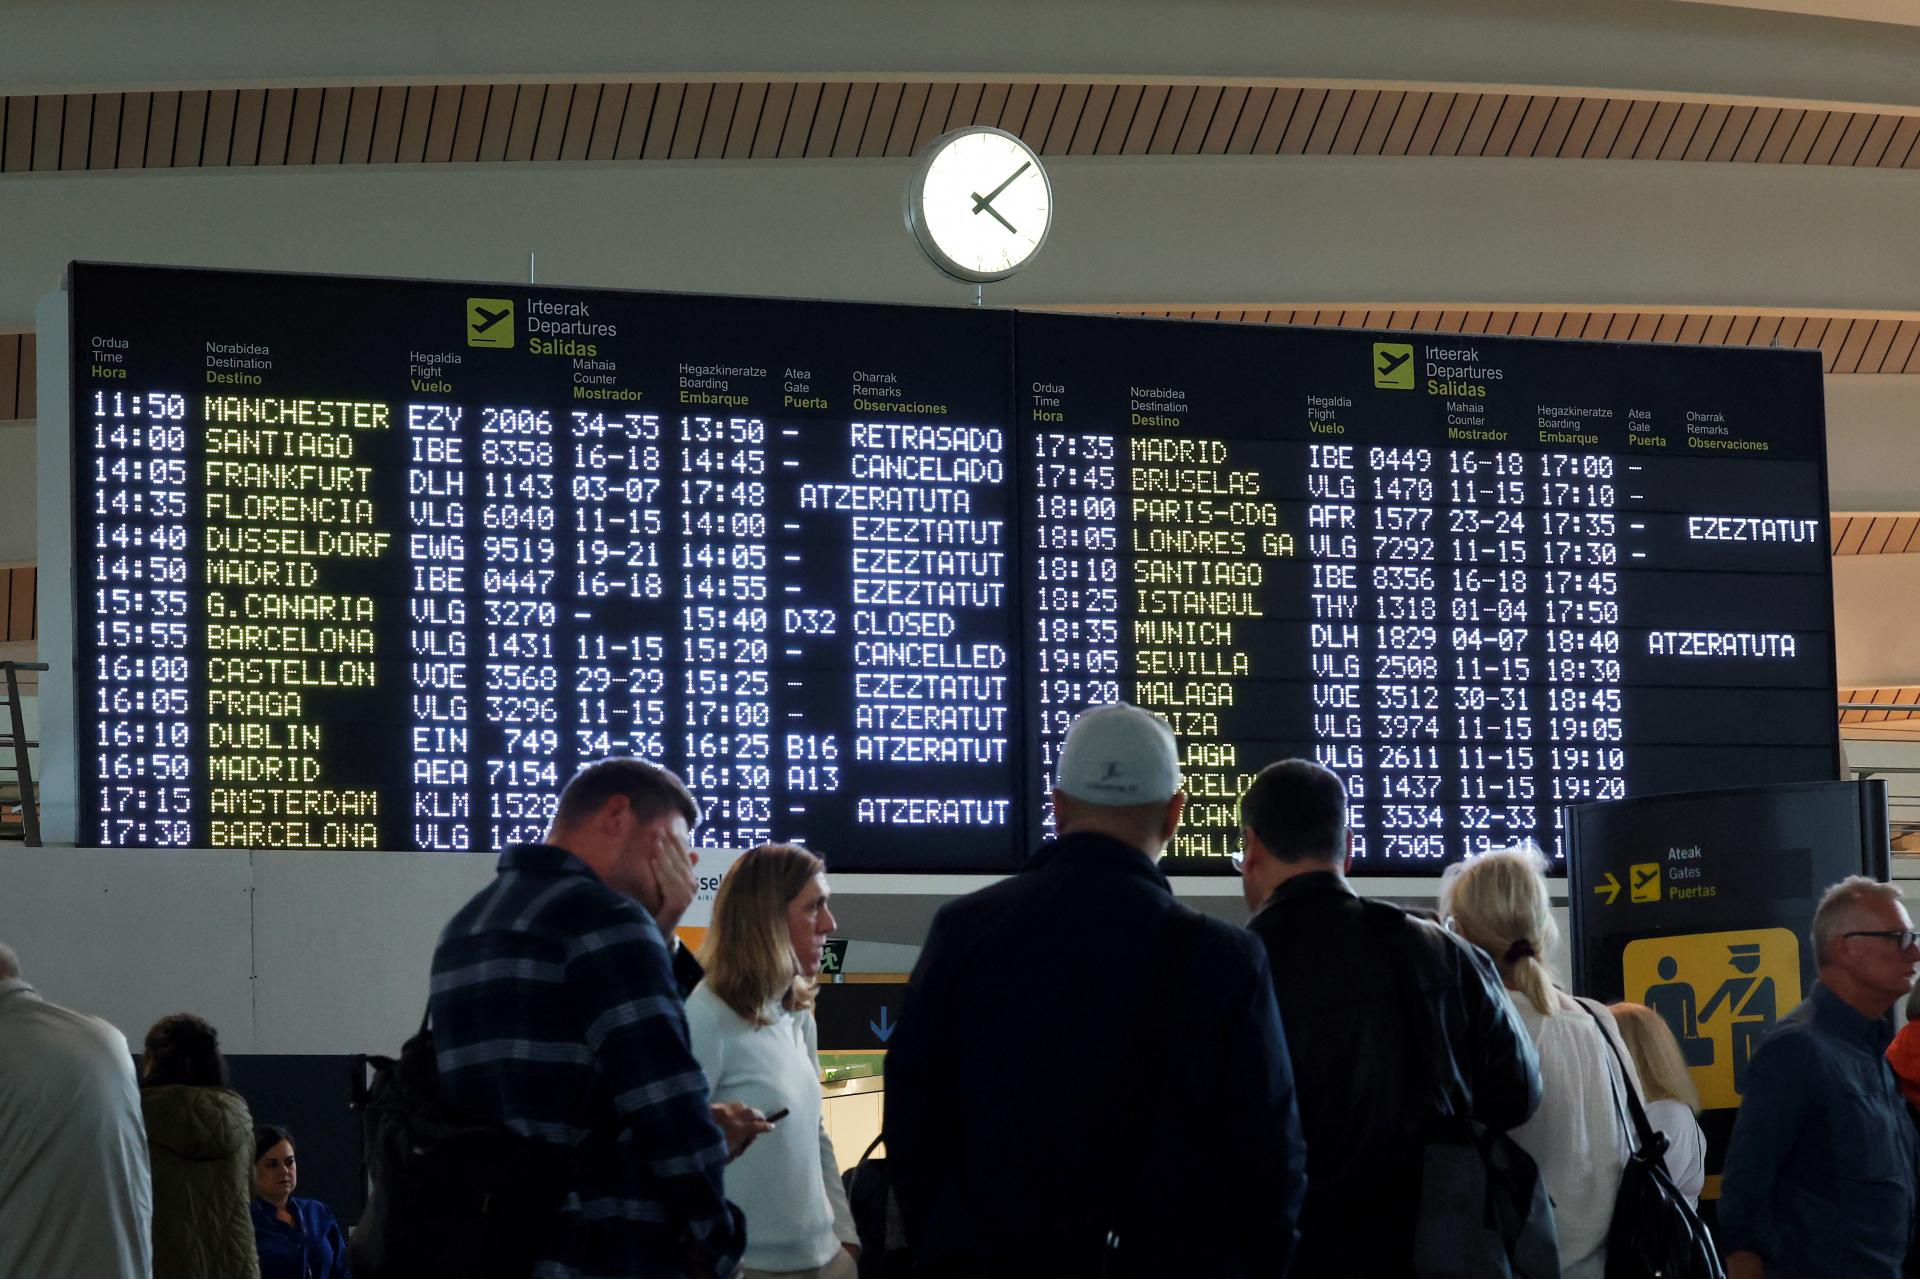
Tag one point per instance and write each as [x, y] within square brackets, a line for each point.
[297, 1238]
[751, 1025]
[198, 1136]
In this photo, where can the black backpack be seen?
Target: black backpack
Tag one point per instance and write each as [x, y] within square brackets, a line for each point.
[453, 1197]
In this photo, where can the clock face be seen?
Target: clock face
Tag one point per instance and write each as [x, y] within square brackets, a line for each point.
[979, 204]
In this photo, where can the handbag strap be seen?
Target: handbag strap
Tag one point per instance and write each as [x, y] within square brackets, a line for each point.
[1638, 1125]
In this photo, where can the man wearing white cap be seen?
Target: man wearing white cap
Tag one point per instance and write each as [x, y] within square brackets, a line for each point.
[1089, 1077]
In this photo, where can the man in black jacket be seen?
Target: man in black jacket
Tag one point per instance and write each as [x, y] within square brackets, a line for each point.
[1081, 1057]
[1363, 991]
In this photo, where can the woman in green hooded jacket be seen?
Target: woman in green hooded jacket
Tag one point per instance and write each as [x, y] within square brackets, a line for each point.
[200, 1143]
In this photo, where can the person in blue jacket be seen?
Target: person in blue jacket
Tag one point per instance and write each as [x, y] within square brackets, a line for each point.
[297, 1238]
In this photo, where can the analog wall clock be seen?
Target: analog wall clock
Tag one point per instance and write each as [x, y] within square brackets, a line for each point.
[979, 203]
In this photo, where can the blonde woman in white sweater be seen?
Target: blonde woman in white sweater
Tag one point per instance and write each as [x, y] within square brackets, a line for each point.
[751, 1022]
[1498, 901]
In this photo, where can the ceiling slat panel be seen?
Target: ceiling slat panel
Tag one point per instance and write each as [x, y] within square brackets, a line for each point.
[1673, 143]
[853, 120]
[1805, 132]
[190, 130]
[303, 126]
[1827, 141]
[443, 124]
[991, 104]
[1706, 134]
[76, 135]
[1553, 135]
[1226, 121]
[657, 140]
[1878, 531]
[1854, 346]
[692, 121]
[49, 118]
[1587, 118]
[1717, 326]
[1279, 118]
[1732, 134]
[1306, 114]
[9, 376]
[1333, 113]
[470, 123]
[1786, 123]
[1379, 123]
[417, 118]
[1643, 328]
[1427, 132]
[1904, 533]
[1838, 533]
[1790, 330]
[1740, 332]
[1634, 129]
[103, 144]
[162, 119]
[1473, 140]
[1533, 123]
[1853, 138]
[217, 144]
[1119, 122]
[582, 114]
[497, 130]
[716, 122]
[357, 146]
[966, 106]
[1019, 104]
[775, 110]
[1200, 113]
[1874, 148]
[1406, 118]
[1753, 137]
[800, 117]
[1092, 122]
[330, 141]
[1900, 354]
[749, 112]
[1605, 137]
[1834, 341]
[1666, 328]
[1354, 125]
[131, 152]
[634, 121]
[527, 106]
[915, 100]
[826, 119]
[1168, 121]
[882, 109]
[276, 125]
[1900, 145]
[933, 120]
[1506, 125]
[249, 112]
[1051, 106]
[1851, 539]
[550, 106]
[1066, 120]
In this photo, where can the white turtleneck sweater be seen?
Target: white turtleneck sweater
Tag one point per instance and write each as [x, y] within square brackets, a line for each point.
[788, 1181]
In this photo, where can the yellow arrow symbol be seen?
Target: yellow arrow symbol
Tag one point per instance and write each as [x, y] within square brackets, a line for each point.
[1611, 888]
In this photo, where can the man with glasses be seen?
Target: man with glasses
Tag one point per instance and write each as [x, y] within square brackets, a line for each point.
[1370, 997]
[1820, 1174]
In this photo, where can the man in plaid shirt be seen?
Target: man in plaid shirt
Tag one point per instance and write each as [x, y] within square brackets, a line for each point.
[556, 1012]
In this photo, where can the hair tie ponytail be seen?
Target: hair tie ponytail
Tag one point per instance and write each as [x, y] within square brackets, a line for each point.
[1522, 949]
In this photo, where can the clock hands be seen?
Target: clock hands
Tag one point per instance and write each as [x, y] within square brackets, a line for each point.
[984, 203]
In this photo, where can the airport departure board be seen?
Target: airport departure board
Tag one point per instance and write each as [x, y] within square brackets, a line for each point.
[375, 564]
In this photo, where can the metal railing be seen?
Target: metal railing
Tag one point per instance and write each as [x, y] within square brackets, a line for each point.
[15, 737]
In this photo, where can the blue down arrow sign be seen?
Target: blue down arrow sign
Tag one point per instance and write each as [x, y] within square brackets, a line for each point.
[883, 1029]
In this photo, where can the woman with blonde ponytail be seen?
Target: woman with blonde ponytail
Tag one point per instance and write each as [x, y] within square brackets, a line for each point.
[1498, 901]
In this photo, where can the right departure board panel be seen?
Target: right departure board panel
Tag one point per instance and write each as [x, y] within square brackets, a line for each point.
[1480, 578]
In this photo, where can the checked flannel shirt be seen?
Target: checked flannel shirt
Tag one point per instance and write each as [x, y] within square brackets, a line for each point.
[555, 1012]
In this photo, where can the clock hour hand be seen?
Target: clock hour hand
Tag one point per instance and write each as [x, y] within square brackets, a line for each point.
[980, 203]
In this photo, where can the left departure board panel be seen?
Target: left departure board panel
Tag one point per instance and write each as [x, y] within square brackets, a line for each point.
[375, 564]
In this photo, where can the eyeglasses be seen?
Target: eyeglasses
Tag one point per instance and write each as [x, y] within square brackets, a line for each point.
[1902, 938]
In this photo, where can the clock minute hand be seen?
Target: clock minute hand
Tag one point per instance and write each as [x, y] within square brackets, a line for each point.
[982, 201]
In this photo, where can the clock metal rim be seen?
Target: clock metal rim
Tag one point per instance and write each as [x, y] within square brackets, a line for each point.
[916, 219]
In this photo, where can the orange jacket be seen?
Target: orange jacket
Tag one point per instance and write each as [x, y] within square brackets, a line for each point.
[1903, 1054]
